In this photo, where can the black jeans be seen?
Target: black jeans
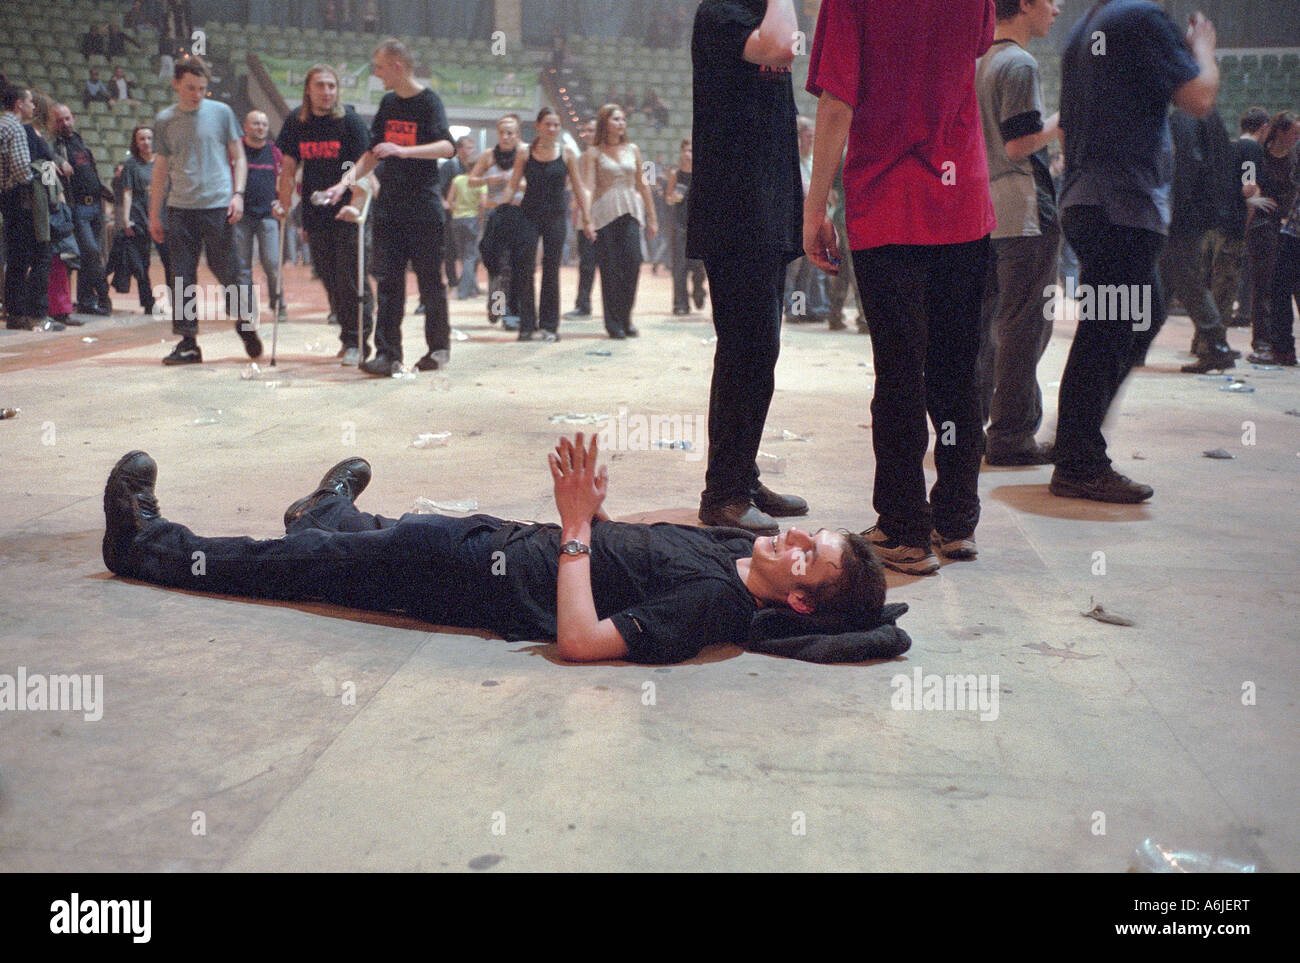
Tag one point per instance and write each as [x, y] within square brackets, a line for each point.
[419, 243]
[334, 254]
[27, 260]
[141, 241]
[430, 566]
[189, 234]
[586, 273]
[549, 230]
[1261, 256]
[92, 285]
[1102, 352]
[746, 294]
[618, 252]
[922, 304]
[1286, 286]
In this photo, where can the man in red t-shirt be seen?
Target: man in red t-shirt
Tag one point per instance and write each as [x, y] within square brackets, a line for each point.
[897, 81]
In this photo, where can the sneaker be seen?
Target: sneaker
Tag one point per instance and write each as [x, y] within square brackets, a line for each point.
[252, 343]
[958, 548]
[69, 320]
[50, 324]
[1040, 455]
[577, 313]
[381, 366]
[1262, 356]
[186, 352]
[550, 337]
[1216, 360]
[510, 322]
[433, 361]
[332, 319]
[281, 314]
[351, 357]
[1109, 486]
[908, 559]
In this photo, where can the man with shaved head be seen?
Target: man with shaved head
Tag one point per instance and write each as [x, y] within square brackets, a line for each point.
[86, 196]
[264, 160]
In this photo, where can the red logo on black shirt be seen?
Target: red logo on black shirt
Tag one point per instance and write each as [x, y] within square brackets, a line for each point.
[400, 132]
[319, 149]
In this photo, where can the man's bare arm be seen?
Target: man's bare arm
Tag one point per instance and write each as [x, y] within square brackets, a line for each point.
[833, 119]
[772, 44]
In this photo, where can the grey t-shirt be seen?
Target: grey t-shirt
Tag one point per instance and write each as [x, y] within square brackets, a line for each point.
[1011, 106]
[195, 145]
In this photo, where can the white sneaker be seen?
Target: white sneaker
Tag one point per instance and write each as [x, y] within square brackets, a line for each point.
[351, 357]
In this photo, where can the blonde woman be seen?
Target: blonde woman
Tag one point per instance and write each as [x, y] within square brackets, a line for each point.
[621, 206]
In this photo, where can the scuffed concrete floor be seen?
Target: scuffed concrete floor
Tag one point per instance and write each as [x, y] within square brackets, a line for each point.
[228, 740]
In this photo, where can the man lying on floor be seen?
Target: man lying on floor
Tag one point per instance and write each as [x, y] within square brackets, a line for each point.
[601, 589]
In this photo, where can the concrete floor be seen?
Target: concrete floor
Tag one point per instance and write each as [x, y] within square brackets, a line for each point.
[229, 741]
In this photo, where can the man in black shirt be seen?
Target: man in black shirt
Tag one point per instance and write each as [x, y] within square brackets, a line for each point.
[408, 136]
[746, 224]
[324, 138]
[86, 196]
[601, 589]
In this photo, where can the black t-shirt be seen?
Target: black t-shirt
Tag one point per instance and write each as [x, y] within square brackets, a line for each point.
[670, 590]
[320, 147]
[259, 191]
[747, 194]
[409, 188]
[136, 178]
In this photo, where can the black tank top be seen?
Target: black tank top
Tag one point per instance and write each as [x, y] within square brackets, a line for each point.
[544, 196]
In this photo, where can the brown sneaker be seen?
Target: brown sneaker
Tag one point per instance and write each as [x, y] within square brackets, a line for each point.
[1109, 486]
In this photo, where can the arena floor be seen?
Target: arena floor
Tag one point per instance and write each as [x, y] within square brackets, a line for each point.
[230, 738]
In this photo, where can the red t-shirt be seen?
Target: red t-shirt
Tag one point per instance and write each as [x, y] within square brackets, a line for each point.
[916, 171]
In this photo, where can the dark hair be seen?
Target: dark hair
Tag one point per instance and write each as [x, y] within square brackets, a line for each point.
[191, 64]
[1280, 124]
[132, 147]
[545, 112]
[10, 96]
[858, 594]
[1007, 9]
[1253, 119]
[602, 125]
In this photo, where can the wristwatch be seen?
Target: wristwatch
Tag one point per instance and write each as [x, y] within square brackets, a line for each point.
[575, 547]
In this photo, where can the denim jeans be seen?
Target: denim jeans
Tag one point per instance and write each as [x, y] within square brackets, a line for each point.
[88, 224]
[464, 232]
[267, 232]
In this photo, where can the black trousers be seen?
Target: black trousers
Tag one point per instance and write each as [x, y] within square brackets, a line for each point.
[684, 267]
[142, 242]
[189, 234]
[399, 242]
[586, 273]
[1102, 352]
[27, 260]
[431, 566]
[1261, 256]
[549, 230]
[922, 304]
[746, 292]
[1286, 287]
[618, 252]
[334, 254]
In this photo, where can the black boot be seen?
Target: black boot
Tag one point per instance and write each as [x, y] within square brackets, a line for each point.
[129, 504]
[348, 478]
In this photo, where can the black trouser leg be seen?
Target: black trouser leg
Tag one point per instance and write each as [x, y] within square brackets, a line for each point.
[552, 230]
[1181, 274]
[586, 273]
[1110, 257]
[426, 245]
[335, 255]
[1286, 288]
[747, 318]
[923, 307]
[618, 250]
[1261, 254]
[523, 265]
[141, 241]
